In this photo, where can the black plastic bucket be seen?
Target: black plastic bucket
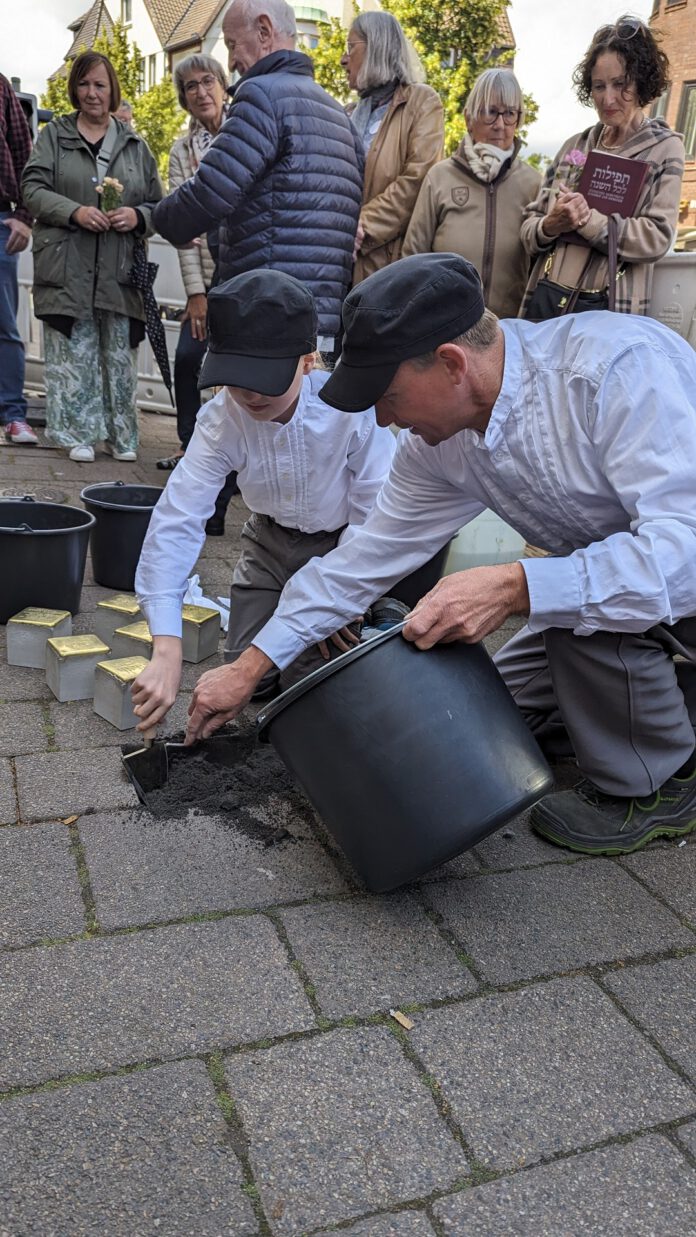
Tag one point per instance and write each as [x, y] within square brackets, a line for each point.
[43, 547]
[122, 514]
[409, 757]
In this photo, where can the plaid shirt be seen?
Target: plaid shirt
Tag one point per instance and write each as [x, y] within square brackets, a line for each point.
[15, 148]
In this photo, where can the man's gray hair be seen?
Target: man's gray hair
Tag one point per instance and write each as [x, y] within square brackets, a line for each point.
[480, 336]
[388, 55]
[197, 64]
[282, 15]
[494, 88]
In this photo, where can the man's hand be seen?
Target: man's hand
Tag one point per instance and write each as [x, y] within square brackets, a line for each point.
[569, 212]
[468, 606]
[196, 311]
[221, 694]
[19, 235]
[344, 640]
[154, 691]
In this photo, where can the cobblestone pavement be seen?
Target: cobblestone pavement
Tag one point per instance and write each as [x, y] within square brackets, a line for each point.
[195, 1034]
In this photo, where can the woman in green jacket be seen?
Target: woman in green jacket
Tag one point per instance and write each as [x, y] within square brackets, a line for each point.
[83, 254]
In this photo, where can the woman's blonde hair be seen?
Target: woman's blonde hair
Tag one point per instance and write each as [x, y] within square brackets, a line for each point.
[388, 54]
[494, 88]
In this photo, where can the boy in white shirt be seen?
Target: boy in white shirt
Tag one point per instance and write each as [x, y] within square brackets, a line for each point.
[304, 469]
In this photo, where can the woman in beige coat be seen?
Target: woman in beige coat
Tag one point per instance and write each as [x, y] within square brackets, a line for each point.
[401, 123]
[473, 203]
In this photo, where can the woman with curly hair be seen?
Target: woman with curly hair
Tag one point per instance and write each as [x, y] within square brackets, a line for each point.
[623, 70]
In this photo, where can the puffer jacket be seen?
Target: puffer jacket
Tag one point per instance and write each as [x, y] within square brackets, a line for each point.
[77, 271]
[283, 179]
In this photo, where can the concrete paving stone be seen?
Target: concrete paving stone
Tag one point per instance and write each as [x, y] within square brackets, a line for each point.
[22, 683]
[398, 1224]
[644, 1189]
[141, 1154]
[662, 999]
[464, 865]
[687, 1135]
[516, 846]
[8, 800]
[39, 890]
[57, 784]
[671, 872]
[77, 725]
[498, 638]
[374, 953]
[22, 728]
[143, 870]
[339, 1125]
[537, 921]
[546, 1069]
[96, 1005]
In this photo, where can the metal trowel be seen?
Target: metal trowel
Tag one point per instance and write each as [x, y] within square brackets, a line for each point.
[148, 766]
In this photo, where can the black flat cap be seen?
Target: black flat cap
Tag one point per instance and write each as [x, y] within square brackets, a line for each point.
[402, 311]
[259, 325]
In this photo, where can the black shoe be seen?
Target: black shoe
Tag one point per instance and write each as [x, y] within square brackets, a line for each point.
[386, 612]
[215, 527]
[586, 820]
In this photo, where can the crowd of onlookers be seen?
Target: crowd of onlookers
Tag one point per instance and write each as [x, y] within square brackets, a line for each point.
[275, 173]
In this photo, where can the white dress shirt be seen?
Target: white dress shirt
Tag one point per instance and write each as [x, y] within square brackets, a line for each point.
[317, 473]
[590, 453]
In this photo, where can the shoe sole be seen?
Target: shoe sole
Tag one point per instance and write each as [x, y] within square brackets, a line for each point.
[612, 847]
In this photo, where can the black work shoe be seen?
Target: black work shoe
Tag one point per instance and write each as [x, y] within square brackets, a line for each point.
[215, 526]
[585, 819]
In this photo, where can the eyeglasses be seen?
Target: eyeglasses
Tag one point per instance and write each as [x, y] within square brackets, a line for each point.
[350, 47]
[489, 115]
[205, 83]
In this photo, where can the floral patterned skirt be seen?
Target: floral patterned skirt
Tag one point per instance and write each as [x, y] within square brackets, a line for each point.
[91, 383]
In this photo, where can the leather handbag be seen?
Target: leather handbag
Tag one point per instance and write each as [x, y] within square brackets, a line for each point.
[554, 300]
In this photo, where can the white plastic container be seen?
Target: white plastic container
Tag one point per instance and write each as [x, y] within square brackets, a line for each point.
[29, 631]
[485, 541]
[70, 665]
[112, 690]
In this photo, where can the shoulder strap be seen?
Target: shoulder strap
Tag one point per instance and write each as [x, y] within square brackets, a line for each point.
[106, 149]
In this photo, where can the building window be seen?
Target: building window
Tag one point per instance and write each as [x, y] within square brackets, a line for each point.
[141, 68]
[659, 107]
[686, 121]
[151, 70]
[126, 13]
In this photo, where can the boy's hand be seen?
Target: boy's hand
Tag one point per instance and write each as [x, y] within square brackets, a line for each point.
[344, 640]
[221, 694]
[154, 691]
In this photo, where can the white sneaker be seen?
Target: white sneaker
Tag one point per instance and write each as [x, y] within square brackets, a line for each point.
[83, 454]
[126, 457]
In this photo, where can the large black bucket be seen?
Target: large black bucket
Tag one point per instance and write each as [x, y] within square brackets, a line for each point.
[43, 547]
[409, 757]
[123, 514]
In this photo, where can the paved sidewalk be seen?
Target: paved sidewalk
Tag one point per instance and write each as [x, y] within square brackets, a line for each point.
[195, 1034]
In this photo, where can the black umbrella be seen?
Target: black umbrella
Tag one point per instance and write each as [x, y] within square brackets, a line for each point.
[142, 276]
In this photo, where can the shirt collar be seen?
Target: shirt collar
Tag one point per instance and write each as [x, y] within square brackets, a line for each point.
[509, 393]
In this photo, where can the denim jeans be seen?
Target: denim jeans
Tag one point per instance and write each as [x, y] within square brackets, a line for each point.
[13, 406]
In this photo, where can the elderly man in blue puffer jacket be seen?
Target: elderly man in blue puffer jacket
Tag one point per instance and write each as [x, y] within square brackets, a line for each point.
[283, 178]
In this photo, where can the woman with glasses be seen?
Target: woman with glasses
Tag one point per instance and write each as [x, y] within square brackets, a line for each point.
[401, 124]
[472, 204]
[622, 71]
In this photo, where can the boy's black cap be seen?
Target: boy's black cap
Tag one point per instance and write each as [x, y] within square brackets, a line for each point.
[259, 325]
[400, 312]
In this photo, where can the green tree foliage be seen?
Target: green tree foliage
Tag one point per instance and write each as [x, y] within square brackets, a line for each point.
[327, 59]
[156, 112]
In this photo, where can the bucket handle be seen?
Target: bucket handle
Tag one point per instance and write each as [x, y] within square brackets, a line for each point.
[24, 528]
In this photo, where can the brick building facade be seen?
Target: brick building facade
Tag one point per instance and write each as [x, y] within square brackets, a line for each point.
[675, 20]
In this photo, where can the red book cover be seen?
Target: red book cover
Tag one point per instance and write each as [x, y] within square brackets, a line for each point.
[612, 184]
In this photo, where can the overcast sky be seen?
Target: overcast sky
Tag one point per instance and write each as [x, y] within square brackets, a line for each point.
[551, 38]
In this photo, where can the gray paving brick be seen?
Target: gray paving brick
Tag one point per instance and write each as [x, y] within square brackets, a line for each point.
[58, 784]
[143, 870]
[537, 921]
[671, 872]
[401, 1224]
[21, 683]
[687, 1135]
[662, 999]
[95, 1005]
[641, 1190]
[22, 728]
[77, 725]
[141, 1154]
[516, 846]
[372, 953]
[8, 801]
[39, 890]
[544, 1070]
[339, 1125]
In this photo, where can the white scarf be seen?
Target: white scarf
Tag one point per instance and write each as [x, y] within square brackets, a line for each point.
[485, 160]
[200, 140]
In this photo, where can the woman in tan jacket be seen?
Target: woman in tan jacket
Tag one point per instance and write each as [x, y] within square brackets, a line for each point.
[401, 123]
[473, 203]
